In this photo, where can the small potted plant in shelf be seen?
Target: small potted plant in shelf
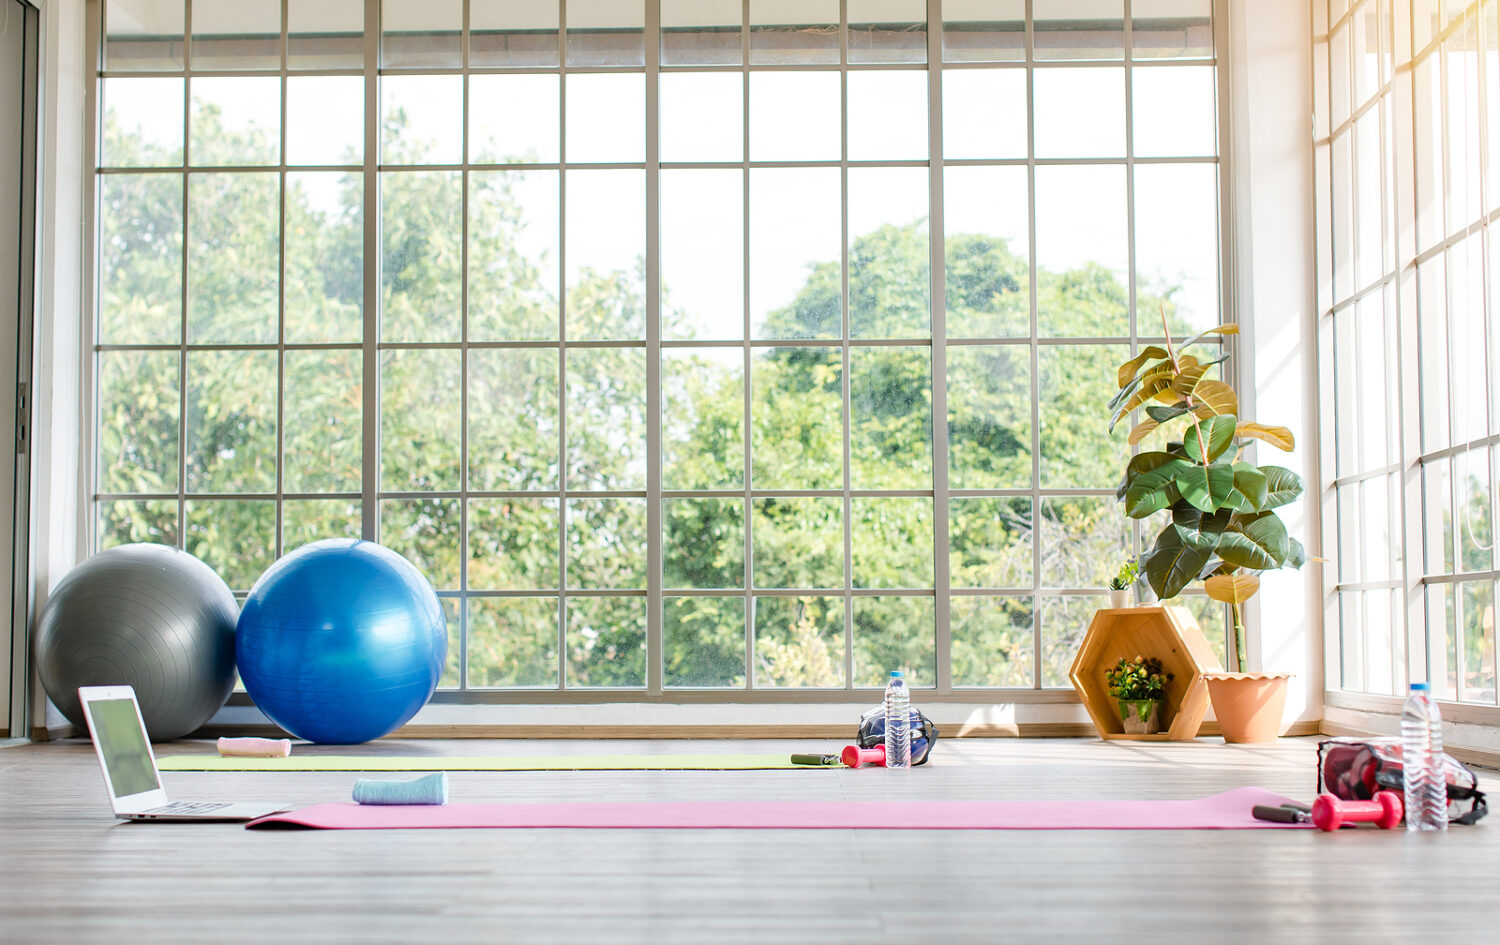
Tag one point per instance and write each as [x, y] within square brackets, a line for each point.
[1223, 530]
[1119, 585]
[1139, 685]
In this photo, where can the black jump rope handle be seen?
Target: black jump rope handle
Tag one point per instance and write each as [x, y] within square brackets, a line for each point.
[1285, 814]
[816, 760]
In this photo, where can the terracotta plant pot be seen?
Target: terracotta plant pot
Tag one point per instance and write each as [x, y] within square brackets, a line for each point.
[1130, 716]
[1248, 705]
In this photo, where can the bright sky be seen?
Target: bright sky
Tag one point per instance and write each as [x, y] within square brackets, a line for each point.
[794, 212]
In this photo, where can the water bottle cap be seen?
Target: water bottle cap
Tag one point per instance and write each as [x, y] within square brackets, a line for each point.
[1420, 687]
[895, 674]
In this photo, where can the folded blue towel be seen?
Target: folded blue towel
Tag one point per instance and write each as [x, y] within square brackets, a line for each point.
[430, 789]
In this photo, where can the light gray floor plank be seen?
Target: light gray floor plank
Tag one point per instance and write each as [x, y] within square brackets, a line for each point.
[70, 874]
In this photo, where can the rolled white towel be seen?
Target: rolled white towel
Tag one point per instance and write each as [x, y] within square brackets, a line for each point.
[255, 747]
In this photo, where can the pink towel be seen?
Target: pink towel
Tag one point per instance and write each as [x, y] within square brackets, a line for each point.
[255, 747]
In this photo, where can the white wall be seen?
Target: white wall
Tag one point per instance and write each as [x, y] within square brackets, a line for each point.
[1271, 163]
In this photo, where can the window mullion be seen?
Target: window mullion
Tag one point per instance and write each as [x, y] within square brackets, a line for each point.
[937, 258]
[655, 651]
[370, 388]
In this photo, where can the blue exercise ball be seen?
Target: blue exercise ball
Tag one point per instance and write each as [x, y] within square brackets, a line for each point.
[341, 641]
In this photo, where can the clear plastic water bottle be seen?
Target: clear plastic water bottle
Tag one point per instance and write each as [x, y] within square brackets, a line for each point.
[897, 722]
[1423, 773]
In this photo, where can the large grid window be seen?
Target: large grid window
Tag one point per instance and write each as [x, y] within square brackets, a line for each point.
[718, 346]
[1408, 171]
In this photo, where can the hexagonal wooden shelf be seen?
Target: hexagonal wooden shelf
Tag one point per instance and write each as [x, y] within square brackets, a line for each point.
[1168, 633]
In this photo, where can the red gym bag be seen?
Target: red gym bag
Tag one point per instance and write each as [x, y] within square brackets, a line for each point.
[1353, 769]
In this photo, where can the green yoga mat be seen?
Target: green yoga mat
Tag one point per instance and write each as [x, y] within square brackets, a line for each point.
[477, 763]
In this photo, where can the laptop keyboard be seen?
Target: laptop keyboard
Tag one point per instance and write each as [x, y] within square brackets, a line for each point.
[188, 807]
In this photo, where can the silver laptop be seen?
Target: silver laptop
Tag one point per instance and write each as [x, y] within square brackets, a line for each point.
[130, 774]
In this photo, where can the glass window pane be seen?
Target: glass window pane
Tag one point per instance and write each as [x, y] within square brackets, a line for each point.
[1210, 615]
[325, 269]
[606, 404]
[235, 537]
[421, 119]
[703, 543]
[421, 33]
[606, 118]
[513, 544]
[1171, 29]
[322, 410]
[139, 405]
[419, 420]
[1351, 567]
[1076, 449]
[703, 641]
[512, 642]
[512, 33]
[142, 122]
[890, 396]
[794, 116]
[894, 633]
[235, 121]
[325, 34]
[1437, 516]
[513, 404]
[1079, 112]
[1081, 270]
[421, 230]
[140, 258]
[783, 33]
[606, 33]
[304, 521]
[452, 616]
[1064, 620]
[1462, 147]
[607, 543]
[988, 270]
[796, 416]
[703, 418]
[325, 120]
[795, 274]
[701, 33]
[799, 642]
[1368, 200]
[245, 34]
[606, 642]
[1372, 408]
[984, 113]
[887, 116]
[1427, 120]
[1432, 322]
[702, 116]
[892, 542]
[1442, 642]
[425, 532]
[990, 543]
[702, 254]
[233, 258]
[993, 641]
[984, 31]
[514, 251]
[143, 35]
[887, 31]
[128, 523]
[890, 261]
[1466, 321]
[1084, 539]
[605, 236]
[1081, 29]
[1477, 640]
[1375, 530]
[513, 119]
[1177, 246]
[1476, 542]
[989, 417]
[1174, 112]
[231, 421]
[799, 542]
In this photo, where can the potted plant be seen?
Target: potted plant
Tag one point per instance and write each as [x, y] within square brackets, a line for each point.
[1139, 685]
[1224, 530]
[1119, 585]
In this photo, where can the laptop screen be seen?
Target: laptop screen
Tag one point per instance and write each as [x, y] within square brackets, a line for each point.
[122, 745]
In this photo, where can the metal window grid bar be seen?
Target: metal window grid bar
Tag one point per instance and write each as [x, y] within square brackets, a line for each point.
[372, 346]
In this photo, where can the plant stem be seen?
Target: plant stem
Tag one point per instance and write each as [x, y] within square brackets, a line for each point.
[1239, 639]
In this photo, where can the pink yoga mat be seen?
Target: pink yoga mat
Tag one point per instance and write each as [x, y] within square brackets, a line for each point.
[1227, 811]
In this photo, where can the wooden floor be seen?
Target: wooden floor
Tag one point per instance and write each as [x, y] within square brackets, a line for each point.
[71, 874]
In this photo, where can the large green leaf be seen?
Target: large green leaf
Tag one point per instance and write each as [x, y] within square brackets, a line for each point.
[1215, 399]
[1228, 328]
[1250, 487]
[1237, 549]
[1279, 437]
[1282, 486]
[1162, 414]
[1215, 432]
[1175, 561]
[1207, 487]
[1296, 555]
[1128, 369]
[1152, 385]
[1148, 491]
[1267, 532]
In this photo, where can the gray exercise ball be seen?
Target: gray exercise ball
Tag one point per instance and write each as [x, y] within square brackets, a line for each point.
[147, 616]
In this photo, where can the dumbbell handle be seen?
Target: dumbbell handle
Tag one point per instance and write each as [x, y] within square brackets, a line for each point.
[1331, 813]
[857, 757]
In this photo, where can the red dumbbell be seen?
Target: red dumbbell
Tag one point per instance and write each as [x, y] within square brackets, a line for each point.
[1331, 813]
[857, 757]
